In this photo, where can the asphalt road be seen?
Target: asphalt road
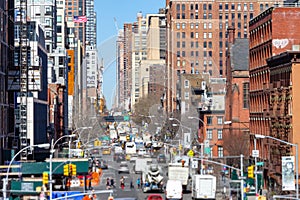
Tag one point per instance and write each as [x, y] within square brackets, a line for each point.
[112, 172]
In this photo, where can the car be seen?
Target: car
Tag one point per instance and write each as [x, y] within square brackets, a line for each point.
[142, 152]
[133, 158]
[103, 164]
[123, 168]
[106, 150]
[161, 158]
[154, 197]
[119, 157]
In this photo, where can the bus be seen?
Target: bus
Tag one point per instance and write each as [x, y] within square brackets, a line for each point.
[130, 148]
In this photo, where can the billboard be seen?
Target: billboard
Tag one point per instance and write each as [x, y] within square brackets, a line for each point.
[288, 173]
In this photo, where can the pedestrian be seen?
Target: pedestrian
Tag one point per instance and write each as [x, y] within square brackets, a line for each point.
[107, 183]
[112, 183]
[138, 183]
[131, 185]
[122, 182]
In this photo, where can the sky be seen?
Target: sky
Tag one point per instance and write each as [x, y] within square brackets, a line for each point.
[111, 15]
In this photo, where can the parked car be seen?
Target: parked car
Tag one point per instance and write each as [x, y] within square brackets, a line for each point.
[154, 197]
[123, 168]
[161, 158]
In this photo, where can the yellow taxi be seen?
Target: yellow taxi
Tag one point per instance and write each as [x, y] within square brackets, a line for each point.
[106, 151]
[128, 156]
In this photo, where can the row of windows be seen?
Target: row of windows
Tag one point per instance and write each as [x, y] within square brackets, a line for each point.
[209, 134]
[195, 44]
[226, 6]
[233, 15]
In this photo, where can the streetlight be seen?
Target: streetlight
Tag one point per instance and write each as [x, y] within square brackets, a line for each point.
[51, 156]
[46, 145]
[202, 145]
[292, 144]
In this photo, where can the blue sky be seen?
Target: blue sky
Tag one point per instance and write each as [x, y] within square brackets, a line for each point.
[123, 11]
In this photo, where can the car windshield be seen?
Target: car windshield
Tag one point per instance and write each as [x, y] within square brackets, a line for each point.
[123, 165]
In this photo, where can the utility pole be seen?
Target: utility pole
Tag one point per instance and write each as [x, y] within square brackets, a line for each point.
[23, 64]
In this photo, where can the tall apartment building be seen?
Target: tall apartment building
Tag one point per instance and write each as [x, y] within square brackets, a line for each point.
[61, 23]
[91, 24]
[273, 85]
[76, 8]
[6, 60]
[196, 35]
[120, 75]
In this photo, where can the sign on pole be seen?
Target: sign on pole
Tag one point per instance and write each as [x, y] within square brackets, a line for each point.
[194, 164]
[255, 153]
[288, 175]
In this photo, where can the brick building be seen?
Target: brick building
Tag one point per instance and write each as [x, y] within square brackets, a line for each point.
[271, 33]
[236, 122]
[196, 35]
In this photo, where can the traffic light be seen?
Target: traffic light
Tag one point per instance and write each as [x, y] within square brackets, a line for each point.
[182, 163]
[73, 170]
[251, 171]
[45, 178]
[66, 170]
[180, 147]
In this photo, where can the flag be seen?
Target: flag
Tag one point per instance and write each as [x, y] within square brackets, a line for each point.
[79, 19]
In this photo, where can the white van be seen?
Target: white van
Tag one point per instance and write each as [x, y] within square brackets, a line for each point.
[174, 190]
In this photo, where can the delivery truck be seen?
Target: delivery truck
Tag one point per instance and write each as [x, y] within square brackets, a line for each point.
[204, 186]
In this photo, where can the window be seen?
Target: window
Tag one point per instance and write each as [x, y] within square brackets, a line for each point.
[178, 45]
[204, 26]
[221, 25]
[186, 95]
[220, 134]
[192, 25]
[183, 44]
[209, 7]
[192, 53]
[178, 26]
[183, 7]
[178, 7]
[210, 63]
[209, 35]
[183, 53]
[61, 72]
[204, 16]
[192, 44]
[220, 6]
[232, 6]
[59, 18]
[210, 44]
[196, 35]
[245, 7]
[220, 44]
[232, 16]
[246, 95]
[220, 17]
[186, 84]
[220, 35]
[204, 44]
[192, 34]
[197, 55]
[197, 26]
[197, 44]
[210, 53]
[226, 6]
[209, 134]
[204, 35]
[178, 63]
[220, 120]
[209, 120]
[209, 16]
[183, 16]
[204, 7]
[204, 53]
[178, 53]
[251, 6]
[178, 35]
[220, 151]
[204, 63]
[210, 25]
[239, 7]
[192, 6]
[183, 34]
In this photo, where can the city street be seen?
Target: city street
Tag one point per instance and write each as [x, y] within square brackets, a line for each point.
[112, 172]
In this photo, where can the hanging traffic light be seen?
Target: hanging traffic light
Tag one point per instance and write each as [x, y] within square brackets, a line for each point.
[45, 178]
[66, 170]
[251, 171]
[73, 172]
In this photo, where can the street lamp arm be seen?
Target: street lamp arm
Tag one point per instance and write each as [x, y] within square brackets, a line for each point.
[64, 136]
[280, 140]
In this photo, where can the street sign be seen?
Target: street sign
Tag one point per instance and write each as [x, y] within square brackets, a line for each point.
[206, 143]
[260, 164]
[255, 153]
[190, 153]
[194, 164]
[242, 177]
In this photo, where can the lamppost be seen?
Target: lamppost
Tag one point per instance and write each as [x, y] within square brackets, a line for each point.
[297, 164]
[50, 159]
[202, 145]
[47, 145]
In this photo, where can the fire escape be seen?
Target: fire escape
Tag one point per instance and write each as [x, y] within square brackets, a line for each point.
[23, 63]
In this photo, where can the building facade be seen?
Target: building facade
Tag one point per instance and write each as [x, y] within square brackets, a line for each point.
[196, 34]
[271, 33]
